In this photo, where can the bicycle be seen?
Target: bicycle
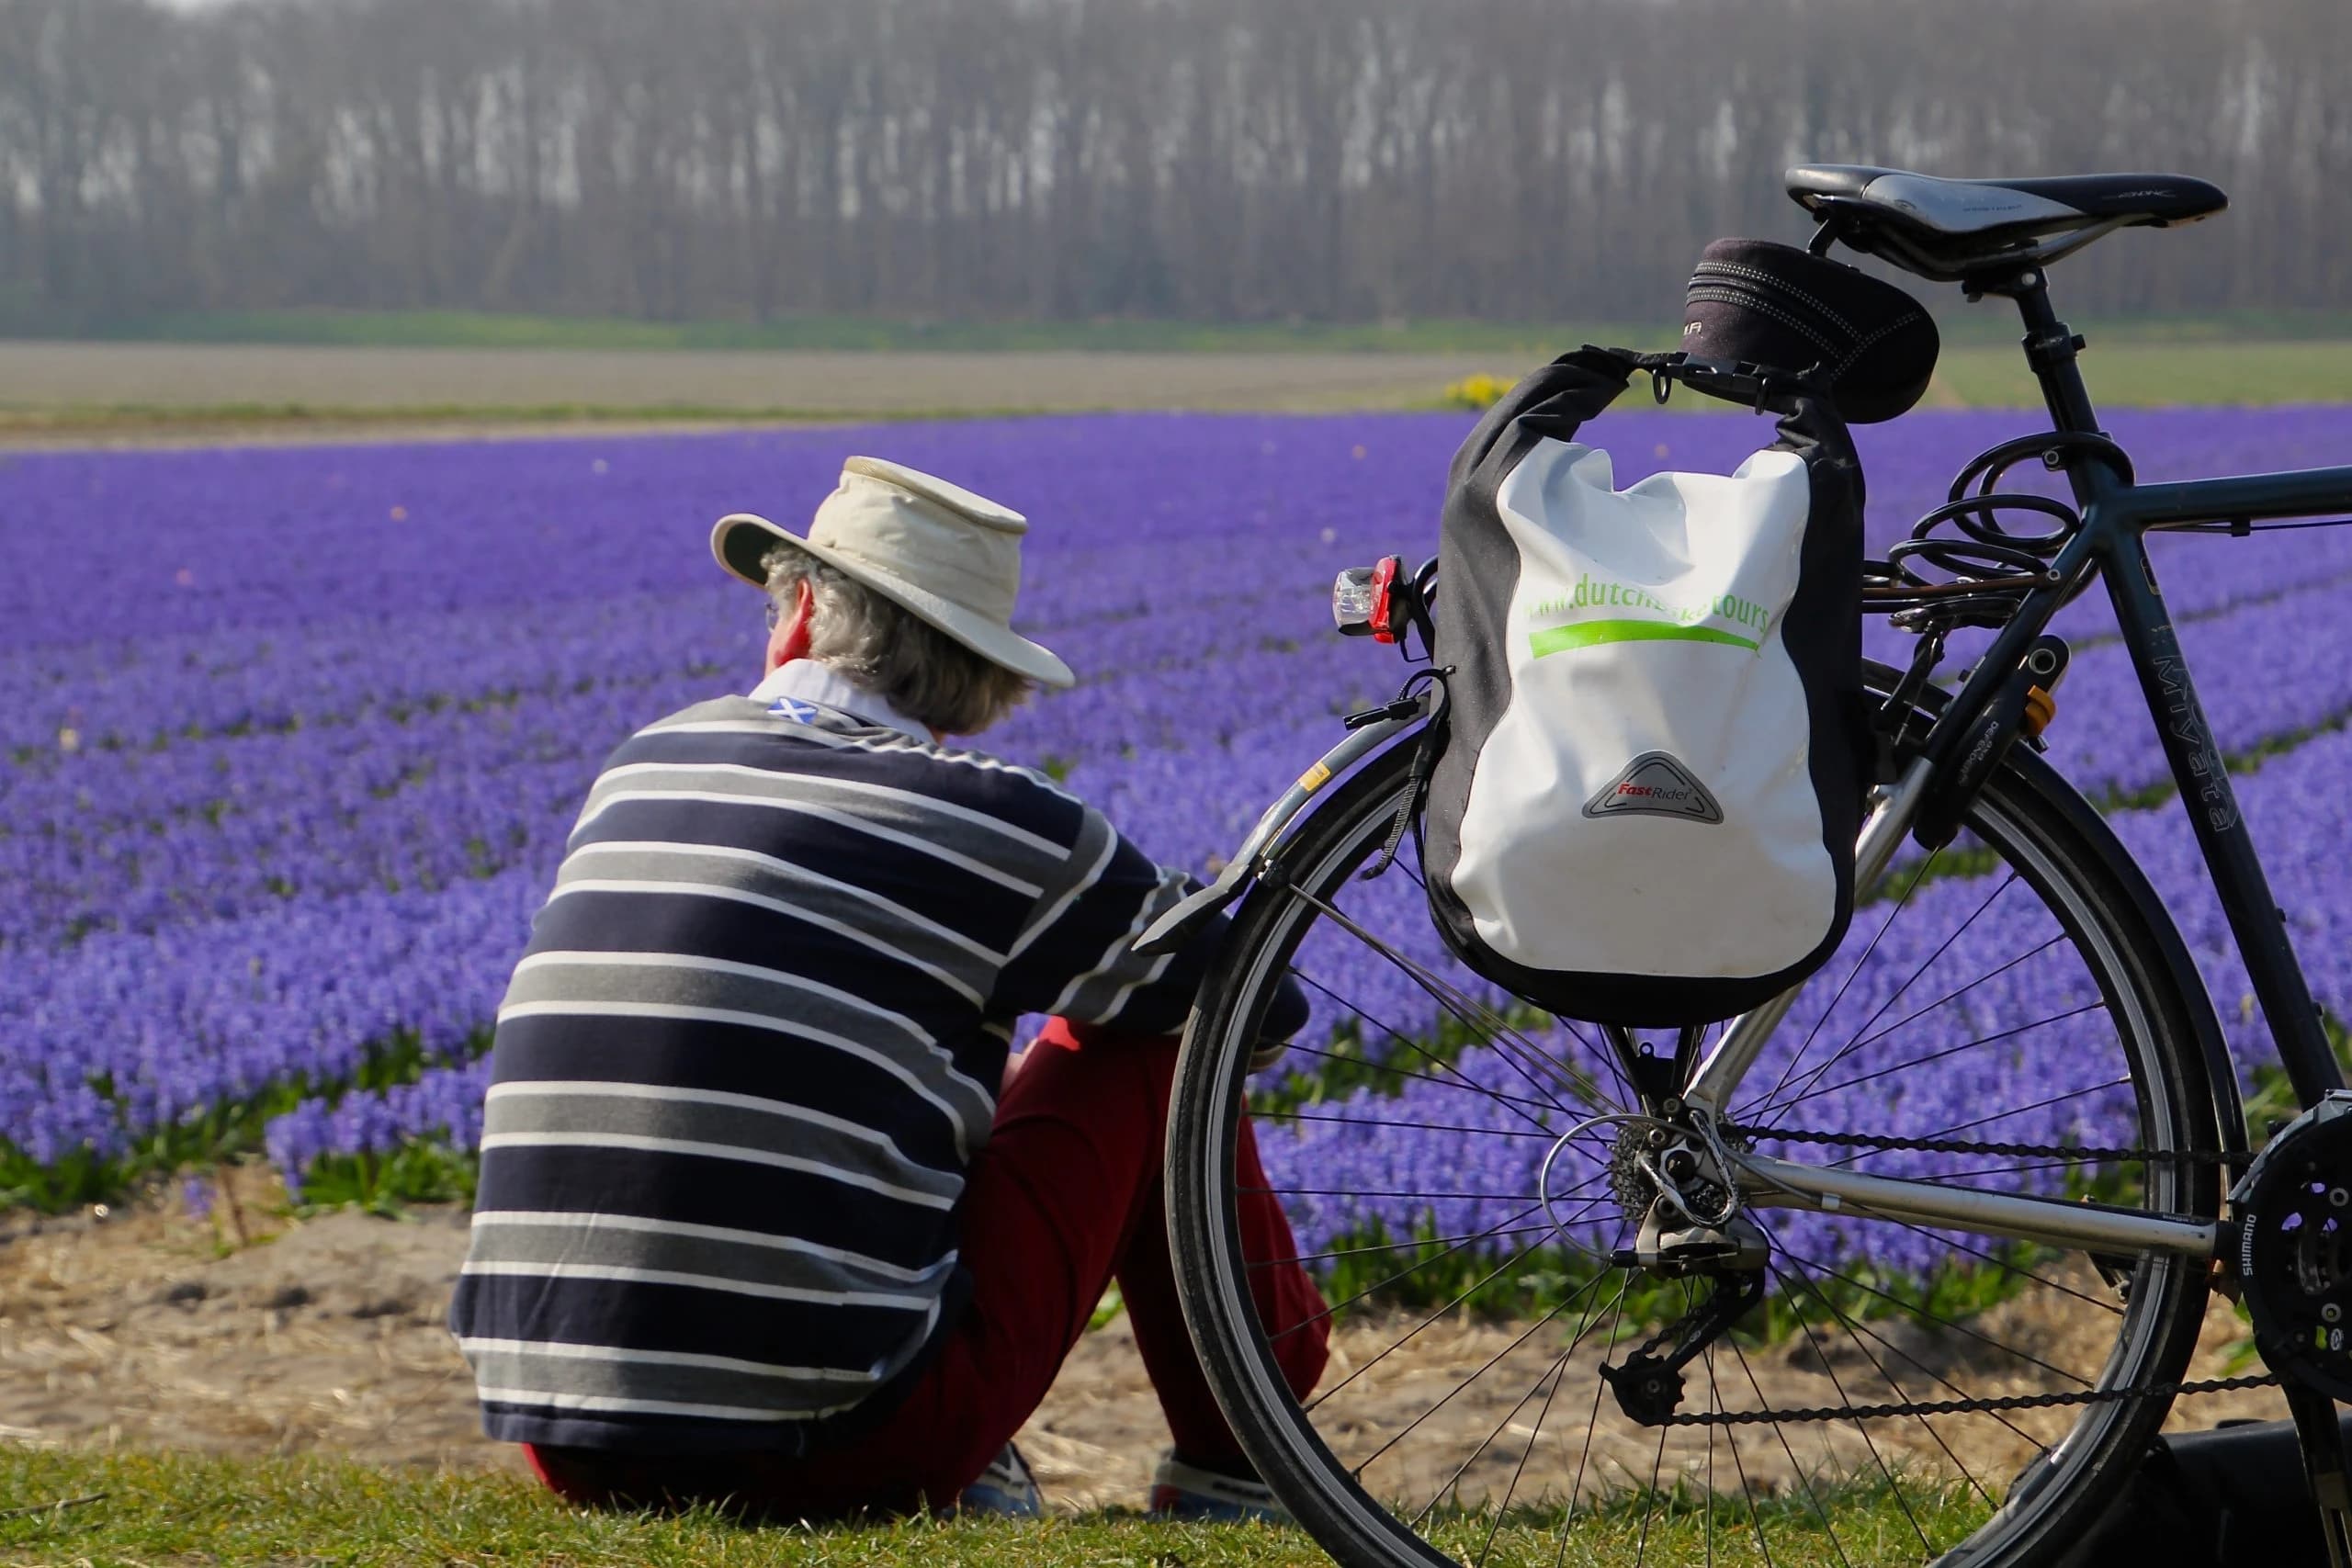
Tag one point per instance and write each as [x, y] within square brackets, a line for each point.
[2012, 1286]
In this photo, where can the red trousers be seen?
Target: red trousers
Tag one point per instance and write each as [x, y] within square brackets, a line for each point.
[1065, 1197]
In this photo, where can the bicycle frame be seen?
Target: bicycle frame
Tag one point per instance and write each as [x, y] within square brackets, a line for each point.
[2112, 543]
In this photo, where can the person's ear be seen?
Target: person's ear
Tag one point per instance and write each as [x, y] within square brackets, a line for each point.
[789, 640]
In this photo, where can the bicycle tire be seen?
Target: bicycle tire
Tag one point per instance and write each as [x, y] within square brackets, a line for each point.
[2025, 812]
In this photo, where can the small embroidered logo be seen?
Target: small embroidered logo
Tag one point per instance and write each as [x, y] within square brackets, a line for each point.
[1656, 785]
[794, 709]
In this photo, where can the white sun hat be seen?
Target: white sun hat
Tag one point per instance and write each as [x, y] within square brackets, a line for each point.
[949, 558]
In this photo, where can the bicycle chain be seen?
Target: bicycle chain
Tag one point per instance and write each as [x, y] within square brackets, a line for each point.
[1971, 1406]
[1992, 1403]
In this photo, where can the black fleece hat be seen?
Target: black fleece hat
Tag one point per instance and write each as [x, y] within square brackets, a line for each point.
[1778, 306]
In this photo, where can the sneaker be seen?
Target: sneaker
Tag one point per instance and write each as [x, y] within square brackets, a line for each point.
[1005, 1489]
[1180, 1490]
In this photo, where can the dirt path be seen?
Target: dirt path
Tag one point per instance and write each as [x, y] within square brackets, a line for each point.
[151, 1328]
[267, 377]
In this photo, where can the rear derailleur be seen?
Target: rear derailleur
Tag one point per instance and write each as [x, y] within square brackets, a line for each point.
[1648, 1383]
[1692, 1228]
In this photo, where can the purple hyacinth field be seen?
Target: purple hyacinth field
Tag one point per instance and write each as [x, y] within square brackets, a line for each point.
[294, 738]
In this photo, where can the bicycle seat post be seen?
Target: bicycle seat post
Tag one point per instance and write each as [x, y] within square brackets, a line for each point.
[2050, 348]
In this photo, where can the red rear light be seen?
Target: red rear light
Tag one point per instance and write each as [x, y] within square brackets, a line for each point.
[1384, 606]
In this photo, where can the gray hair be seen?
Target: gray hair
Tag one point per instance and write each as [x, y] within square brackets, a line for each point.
[909, 663]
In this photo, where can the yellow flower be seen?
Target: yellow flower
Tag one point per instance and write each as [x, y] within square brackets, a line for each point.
[1476, 393]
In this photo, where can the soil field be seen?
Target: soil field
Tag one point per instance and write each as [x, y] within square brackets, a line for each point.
[151, 1328]
[162, 378]
[142, 393]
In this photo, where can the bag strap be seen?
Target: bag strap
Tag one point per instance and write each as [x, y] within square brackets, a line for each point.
[1555, 402]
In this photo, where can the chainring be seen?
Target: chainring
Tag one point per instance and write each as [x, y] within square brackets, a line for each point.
[2294, 1210]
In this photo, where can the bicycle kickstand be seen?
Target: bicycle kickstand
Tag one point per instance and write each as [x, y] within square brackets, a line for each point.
[2323, 1465]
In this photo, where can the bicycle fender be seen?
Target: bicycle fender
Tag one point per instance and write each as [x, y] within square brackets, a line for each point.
[1249, 862]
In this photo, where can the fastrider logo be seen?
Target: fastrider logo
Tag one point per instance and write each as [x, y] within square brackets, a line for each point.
[1656, 785]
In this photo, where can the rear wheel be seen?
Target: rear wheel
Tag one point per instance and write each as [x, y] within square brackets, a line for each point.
[1423, 1137]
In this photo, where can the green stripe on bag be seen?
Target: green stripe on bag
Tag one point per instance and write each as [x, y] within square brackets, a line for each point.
[1591, 634]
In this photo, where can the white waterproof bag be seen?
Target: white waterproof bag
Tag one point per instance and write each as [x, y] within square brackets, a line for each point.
[1646, 807]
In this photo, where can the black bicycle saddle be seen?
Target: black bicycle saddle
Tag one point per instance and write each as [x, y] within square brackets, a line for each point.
[1947, 229]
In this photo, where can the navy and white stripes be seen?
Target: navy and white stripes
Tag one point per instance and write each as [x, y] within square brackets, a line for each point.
[754, 1045]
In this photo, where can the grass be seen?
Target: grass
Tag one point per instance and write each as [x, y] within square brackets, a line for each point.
[2237, 357]
[2127, 374]
[108, 1509]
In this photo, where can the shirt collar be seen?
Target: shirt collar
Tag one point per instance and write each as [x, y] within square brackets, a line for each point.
[807, 681]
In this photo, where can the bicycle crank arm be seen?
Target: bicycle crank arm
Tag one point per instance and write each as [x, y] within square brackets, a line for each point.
[2321, 1433]
[1767, 1182]
[1249, 862]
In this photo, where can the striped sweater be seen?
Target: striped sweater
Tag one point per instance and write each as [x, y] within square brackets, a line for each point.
[750, 1050]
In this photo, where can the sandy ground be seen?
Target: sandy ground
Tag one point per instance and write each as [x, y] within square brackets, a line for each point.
[152, 1328]
[98, 376]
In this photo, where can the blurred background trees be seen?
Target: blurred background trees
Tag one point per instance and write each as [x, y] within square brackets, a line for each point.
[1343, 160]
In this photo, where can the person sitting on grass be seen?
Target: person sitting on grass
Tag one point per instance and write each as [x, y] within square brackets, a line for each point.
[768, 1216]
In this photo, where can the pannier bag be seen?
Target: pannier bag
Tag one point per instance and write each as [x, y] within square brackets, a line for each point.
[1645, 808]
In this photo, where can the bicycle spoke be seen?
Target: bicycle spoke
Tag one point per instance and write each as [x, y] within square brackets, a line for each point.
[1955, 1050]
[1649, 1502]
[1927, 964]
[1535, 1434]
[1461, 1081]
[1468, 1086]
[1855, 1326]
[1731, 1440]
[1919, 1311]
[1515, 1259]
[1592, 1422]
[1900, 1392]
[1999, 1262]
[1543, 1135]
[1257, 1264]
[1401, 1274]
[1532, 1329]
[1907, 1019]
[1464, 1008]
[1477, 1014]
[1803, 1481]
[1362, 1192]
[1860, 1430]
[1852, 975]
[1714, 1407]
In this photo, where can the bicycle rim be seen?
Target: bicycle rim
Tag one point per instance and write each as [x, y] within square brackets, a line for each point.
[2003, 992]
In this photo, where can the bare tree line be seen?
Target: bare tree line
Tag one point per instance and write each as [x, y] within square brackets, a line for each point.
[1201, 159]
